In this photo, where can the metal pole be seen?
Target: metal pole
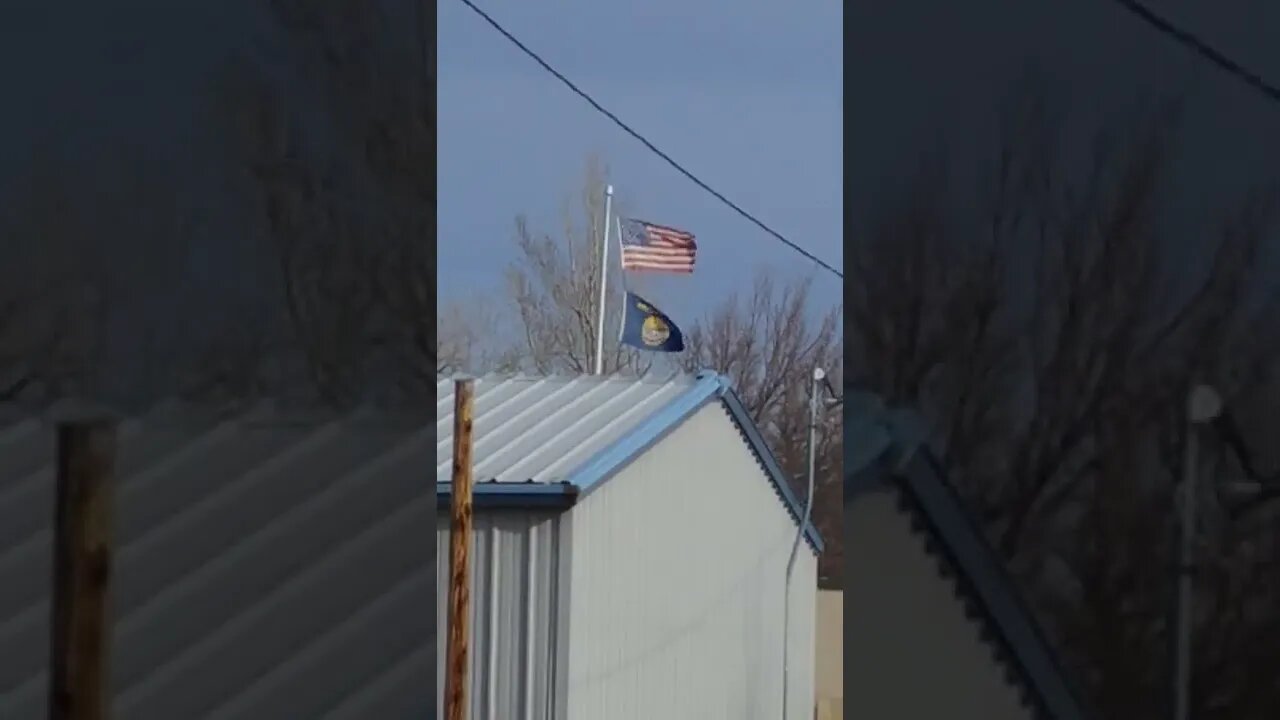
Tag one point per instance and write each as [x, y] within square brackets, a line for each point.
[622, 316]
[1186, 567]
[80, 637]
[604, 279]
[456, 666]
[818, 375]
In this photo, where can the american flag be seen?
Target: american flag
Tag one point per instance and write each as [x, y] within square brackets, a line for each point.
[656, 248]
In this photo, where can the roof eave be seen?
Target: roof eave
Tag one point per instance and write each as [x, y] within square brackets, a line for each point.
[767, 460]
[513, 496]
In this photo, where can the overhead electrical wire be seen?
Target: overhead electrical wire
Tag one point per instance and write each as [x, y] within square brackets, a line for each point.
[646, 142]
[1201, 48]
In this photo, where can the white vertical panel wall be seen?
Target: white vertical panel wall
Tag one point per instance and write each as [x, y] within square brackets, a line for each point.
[515, 570]
[908, 630]
[678, 577]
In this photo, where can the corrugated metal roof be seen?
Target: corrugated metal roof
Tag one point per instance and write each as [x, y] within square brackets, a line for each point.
[540, 436]
[541, 429]
[268, 565]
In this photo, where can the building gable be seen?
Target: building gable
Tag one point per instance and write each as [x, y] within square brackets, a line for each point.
[885, 450]
[552, 439]
[680, 582]
[911, 649]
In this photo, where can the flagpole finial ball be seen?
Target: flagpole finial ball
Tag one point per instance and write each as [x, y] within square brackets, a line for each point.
[819, 373]
[608, 189]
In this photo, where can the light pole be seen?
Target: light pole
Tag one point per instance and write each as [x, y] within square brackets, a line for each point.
[816, 401]
[1204, 405]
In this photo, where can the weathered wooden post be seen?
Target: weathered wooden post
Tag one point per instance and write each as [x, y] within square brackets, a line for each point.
[456, 667]
[80, 637]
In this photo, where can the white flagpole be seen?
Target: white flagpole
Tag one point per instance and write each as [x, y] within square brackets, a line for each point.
[604, 279]
[622, 317]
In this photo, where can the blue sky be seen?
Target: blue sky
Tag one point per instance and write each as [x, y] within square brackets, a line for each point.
[747, 96]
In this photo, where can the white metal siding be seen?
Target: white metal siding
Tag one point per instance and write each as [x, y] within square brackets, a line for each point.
[678, 574]
[514, 614]
[911, 652]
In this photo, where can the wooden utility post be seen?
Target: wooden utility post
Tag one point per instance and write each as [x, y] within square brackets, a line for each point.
[456, 664]
[80, 637]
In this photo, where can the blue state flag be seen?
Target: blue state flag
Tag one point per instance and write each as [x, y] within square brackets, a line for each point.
[648, 328]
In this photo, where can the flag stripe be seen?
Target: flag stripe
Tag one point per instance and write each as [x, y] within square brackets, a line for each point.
[642, 265]
[657, 248]
[659, 257]
[637, 259]
[657, 260]
[673, 241]
[654, 268]
[651, 264]
[660, 252]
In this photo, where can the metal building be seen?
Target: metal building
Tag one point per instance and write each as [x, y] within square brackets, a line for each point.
[630, 552]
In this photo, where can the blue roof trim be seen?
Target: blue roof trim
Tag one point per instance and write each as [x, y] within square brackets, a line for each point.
[609, 461]
[770, 464]
[710, 386]
[495, 495]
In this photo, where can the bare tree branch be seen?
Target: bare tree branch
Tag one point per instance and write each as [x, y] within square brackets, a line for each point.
[1058, 400]
[351, 230]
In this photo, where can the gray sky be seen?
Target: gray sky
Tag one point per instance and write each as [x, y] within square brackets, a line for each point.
[924, 66]
[747, 96]
[97, 74]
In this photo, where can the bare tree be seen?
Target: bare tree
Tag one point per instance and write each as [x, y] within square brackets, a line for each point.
[769, 342]
[1050, 343]
[554, 285]
[350, 231]
[237, 359]
[43, 289]
[82, 252]
[469, 338]
[347, 234]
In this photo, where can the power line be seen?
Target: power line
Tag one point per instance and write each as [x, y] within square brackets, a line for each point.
[645, 141]
[1201, 48]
